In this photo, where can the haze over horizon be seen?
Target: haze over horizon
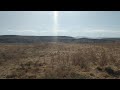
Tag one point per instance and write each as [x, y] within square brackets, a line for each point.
[62, 23]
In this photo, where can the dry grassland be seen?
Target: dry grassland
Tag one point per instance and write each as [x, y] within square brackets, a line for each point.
[60, 61]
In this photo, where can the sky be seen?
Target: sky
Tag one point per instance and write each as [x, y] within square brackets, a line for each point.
[62, 23]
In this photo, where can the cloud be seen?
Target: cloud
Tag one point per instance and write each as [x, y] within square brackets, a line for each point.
[90, 30]
[75, 32]
[26, 30]
[59, 30]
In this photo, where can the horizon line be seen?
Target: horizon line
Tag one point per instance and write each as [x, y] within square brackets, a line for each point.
[61, 36]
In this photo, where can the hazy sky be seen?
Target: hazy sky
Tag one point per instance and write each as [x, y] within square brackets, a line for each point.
[69, 23]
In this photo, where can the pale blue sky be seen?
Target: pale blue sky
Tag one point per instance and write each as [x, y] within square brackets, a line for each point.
[70, 23]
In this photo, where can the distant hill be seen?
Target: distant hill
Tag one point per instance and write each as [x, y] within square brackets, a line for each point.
[33, 39]
[39, 39]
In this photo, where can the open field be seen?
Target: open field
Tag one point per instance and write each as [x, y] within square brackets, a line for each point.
[60, 61]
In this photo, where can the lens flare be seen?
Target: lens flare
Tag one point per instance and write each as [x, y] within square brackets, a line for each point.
[55, 30]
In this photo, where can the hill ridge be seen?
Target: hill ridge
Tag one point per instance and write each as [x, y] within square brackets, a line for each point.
[65, 39]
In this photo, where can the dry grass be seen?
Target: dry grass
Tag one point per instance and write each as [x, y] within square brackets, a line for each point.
[60, 61]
